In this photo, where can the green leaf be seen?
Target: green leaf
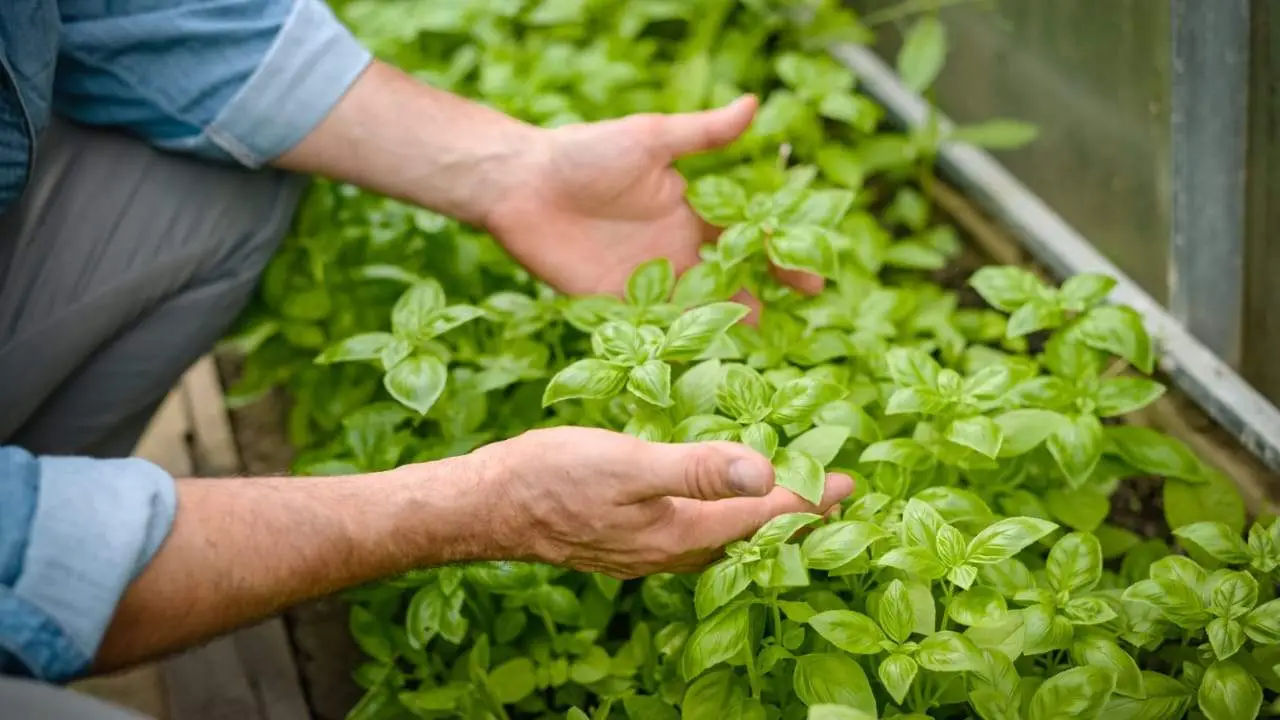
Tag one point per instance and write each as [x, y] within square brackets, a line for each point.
[644, 707]
[895, 612]
[917, 561]
[739, 242]
[841, 166]
[1006, 288]
[449, 318]
[1263, 623]
[365, 346]
[701, 284]
[912, 368]
[1166, 699]
[1077, 446]
[999, 134]
[743, 394]
[821, 443]
[760, 437]
[701, 428]
[978, 606]
[978, 433]
[618, 342]
[1229, 692]
[716, 695]
[850, 631]
[1006, 538]
[1086, 290]
[828, 678]
[1232, 593]
[803, 247]
[1045, 630]
[589, 378]
[780, 529]
[897, 672]
[717, 639]
[1118, 330]
[1120, 396]
[948, 651]
[1074, 563]
[1095, 649]
[651, 283]
[1216, 500]
[1088, 611]
[798, 400]
[1035, 315]
[827, 711]
[921, 523]
[415, 307]
[839, 543]
[1153, 452]
[417, 382]
[1080, 509]
[719, 200]
[513, 680]
[1024, 430]
[1226, 637]
[1216, 539]
[718, 585]
[692, 332]
[1076, 694]
[800, 474]
[923, 52]
[651, 382]
[694, 393]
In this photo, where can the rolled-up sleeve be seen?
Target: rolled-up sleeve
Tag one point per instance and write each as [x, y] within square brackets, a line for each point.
[244, 80]
[74, 532]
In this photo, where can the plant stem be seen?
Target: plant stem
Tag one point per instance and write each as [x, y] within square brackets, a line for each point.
[777, 615]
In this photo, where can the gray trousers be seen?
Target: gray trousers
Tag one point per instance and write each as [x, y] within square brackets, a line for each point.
[119, 267]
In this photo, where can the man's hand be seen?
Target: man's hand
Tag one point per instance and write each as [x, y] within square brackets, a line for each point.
[581, 206]
[592, 201]
[601, 501]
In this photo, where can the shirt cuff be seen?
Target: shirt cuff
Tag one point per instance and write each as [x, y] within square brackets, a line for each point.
[313, 62]
[97, 523]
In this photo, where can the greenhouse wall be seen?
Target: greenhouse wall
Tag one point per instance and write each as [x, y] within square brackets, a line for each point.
[1160, 143]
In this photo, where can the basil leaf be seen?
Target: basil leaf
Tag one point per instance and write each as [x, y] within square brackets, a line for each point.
[850, 631]
[589, 378]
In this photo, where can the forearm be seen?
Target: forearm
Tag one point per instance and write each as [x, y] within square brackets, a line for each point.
[243, 549]
[400, 137]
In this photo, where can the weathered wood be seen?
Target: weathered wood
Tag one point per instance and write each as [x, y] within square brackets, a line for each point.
[213, 444]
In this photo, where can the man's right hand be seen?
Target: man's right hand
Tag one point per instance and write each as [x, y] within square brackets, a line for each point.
[601, 501]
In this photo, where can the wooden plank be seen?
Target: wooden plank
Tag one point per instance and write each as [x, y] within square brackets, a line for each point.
[268, 661]
[210, 683]
[213, 444]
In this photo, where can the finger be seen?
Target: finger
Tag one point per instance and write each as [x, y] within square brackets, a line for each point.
[807, 283]
[688, 133]
[701, 471]
[735, 519]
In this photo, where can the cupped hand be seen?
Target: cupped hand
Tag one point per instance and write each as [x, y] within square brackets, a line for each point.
[600, 501]
[592, 201]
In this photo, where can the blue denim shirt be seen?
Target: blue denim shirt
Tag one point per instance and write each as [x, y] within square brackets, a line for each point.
[232, 80]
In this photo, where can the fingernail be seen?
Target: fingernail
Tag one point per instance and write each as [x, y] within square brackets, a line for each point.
[748, 478]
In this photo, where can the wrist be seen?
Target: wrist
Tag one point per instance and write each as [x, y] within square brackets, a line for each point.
[450, 510]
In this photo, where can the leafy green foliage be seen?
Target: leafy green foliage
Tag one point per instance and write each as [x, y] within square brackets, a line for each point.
[974, 573]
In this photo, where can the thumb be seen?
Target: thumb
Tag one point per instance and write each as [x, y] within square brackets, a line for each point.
[695, 132]
[703, 471]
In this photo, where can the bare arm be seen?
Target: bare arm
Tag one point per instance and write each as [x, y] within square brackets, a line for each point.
[243, 549]
[400, 137]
